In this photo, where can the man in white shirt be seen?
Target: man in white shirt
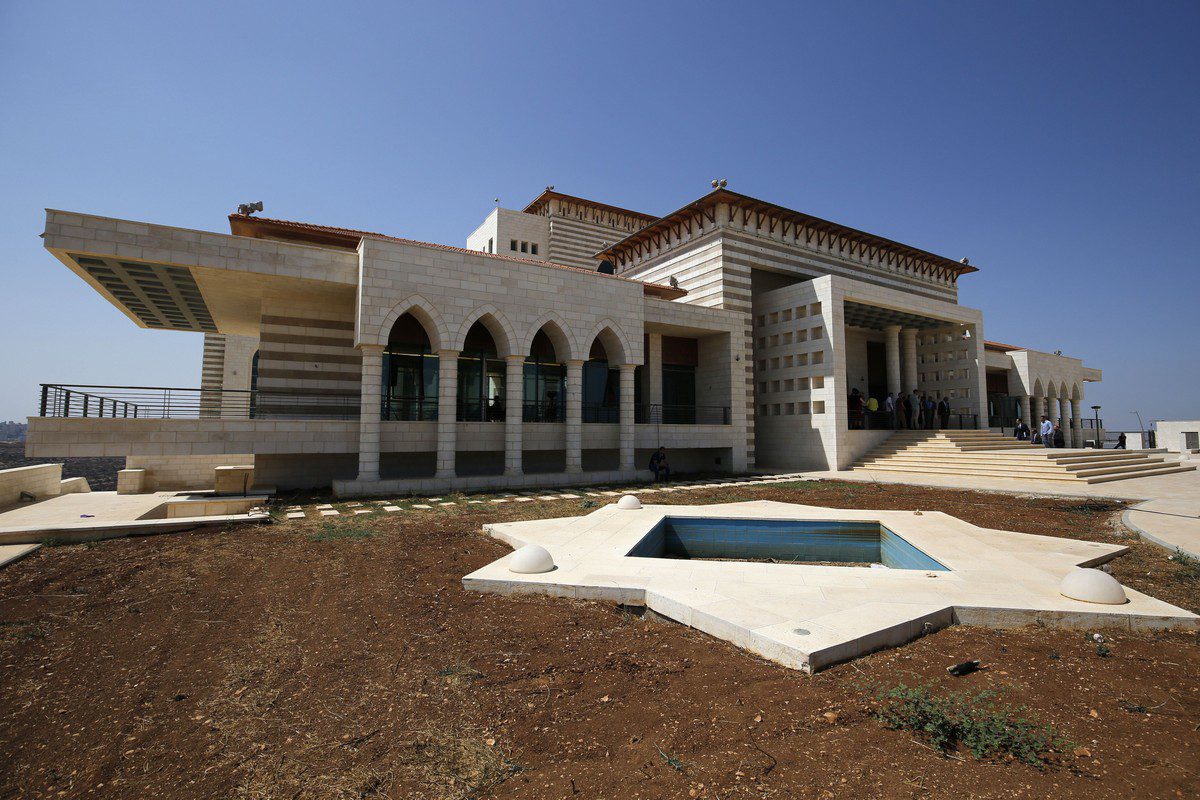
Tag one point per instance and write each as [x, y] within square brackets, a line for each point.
[1047, 431]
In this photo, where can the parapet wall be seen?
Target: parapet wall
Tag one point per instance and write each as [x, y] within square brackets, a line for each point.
[39, 480]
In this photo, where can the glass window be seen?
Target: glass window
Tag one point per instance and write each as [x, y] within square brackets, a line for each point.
[679, 394]
[480, 378]
[410, 373]
[545, 382]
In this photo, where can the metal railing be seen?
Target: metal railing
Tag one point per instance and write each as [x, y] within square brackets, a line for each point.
[657, 414]
[543, 411]
[167, 402]
[480, 411]
[601, 413]
[884, 420]
[163, 402]
[409, 409]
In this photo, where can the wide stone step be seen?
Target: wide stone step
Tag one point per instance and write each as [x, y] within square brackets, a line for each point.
[1044, 468]
[1118, 469]
[1166, 470]
[1064, 477]
[1011, 458]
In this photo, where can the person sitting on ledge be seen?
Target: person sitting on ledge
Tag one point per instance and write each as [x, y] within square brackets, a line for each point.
[659, 465]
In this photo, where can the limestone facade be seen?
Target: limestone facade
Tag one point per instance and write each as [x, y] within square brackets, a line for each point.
[564, 344]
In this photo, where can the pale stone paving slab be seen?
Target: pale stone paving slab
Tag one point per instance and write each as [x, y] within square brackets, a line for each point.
[809, 616]
[391, 509]
[330, 512]
[295, 515]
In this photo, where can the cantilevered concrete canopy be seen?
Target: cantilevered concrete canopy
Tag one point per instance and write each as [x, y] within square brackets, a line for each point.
[859, 315]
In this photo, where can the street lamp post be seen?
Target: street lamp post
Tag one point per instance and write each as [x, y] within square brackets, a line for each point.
[1099, 441]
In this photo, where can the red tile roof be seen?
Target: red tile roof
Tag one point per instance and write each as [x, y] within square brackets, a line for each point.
[261, 227]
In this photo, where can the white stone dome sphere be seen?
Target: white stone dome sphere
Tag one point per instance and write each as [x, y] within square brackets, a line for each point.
[531, 559]
[1092, 586]
[629, 502]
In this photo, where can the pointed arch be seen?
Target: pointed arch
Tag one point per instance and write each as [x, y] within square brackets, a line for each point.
[502, 331]
[559, 333]
[1037, 388]
[1076, 393]
[425, 313]
[616, 343]
[1062, 391]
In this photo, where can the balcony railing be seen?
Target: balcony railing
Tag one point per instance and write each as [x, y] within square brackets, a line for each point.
[480, 411]
[409, 409]
[601, 413]
[883, 420]
[163, 402]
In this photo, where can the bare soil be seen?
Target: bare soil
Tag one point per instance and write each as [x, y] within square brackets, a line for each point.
[344, 659]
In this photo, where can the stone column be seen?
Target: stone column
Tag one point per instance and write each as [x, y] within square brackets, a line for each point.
[1076, 425]
[574, 416]
[908, 340]
[654, 373]
[1026, 412]
[370, 400]
[447, 441]
[628, 431]
[1035, 411]
[1064, 419]
[514, 413]
[892, 344]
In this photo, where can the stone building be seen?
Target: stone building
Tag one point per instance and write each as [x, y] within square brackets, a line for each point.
[563, 344]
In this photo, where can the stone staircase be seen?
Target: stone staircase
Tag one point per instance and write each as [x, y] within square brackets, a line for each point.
[988, 454]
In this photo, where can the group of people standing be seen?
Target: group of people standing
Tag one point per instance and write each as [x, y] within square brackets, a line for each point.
[1048, 434]
[912, 410]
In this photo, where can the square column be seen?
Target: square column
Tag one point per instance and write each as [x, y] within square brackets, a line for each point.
[628, 431]
[654, 374]
[370, 402]
[892, 344]
[514, 417]
[447, 441]
[1076, 425]
[908, 341]
[574, 416]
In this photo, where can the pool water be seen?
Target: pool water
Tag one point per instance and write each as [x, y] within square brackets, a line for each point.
[807, 541]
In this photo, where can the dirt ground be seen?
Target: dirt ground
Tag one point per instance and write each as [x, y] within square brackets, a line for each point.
[316, 659]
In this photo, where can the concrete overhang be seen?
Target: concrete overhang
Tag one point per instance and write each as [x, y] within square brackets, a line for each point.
[166, 278]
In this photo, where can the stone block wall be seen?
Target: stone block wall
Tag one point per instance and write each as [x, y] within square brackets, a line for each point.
[40, 480]
[166, 473]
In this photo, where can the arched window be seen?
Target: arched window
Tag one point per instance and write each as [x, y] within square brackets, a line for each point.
[601, 387]
[545, 382]
[410, 373]
[480, 378]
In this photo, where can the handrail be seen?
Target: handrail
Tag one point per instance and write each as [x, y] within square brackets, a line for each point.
[162, 402]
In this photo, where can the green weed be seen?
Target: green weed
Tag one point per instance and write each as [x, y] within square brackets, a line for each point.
[979, 722]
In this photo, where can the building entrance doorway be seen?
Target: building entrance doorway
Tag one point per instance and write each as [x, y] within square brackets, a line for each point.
[877, 371]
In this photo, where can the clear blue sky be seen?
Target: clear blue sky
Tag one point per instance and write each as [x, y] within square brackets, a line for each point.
[1053, 144]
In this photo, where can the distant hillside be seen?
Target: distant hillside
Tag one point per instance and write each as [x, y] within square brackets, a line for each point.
[13, 431]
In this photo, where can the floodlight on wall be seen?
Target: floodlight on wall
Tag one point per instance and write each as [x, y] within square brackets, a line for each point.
[246, 209]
